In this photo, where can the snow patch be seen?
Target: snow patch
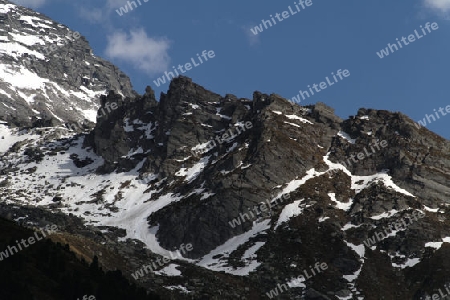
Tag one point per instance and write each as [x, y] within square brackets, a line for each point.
[346, 136]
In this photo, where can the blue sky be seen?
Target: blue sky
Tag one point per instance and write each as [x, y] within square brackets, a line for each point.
[283, 59]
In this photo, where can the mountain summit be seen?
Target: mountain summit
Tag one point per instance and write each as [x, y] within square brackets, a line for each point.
[48, 73]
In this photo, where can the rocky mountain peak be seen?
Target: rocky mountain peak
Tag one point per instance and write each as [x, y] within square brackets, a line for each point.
[49, 72]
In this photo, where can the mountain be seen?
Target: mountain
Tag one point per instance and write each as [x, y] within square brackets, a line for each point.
[372, 189]
[203, 196]
[41, 61]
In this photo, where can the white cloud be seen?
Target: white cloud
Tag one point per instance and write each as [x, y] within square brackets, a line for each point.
[143, 52]
[92, 14]
[98, 12]
[442, 6]
[30, 3]
[253, 39]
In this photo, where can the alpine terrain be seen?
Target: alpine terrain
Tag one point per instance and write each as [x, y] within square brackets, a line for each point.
[196, 195]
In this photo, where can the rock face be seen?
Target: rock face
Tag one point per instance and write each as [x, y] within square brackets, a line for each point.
[42, 86]
[189, 116]
[268, 155]
[394, 172]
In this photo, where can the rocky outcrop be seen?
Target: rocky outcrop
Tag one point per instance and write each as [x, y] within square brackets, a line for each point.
[416, 158]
